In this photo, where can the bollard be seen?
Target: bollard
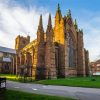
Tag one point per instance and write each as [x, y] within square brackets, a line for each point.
[2, 85]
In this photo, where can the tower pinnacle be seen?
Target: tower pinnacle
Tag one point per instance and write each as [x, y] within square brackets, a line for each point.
[69, 13]
[58, 14]
[58, 7]
[75, 24]
[49, 23]
[40, 22]
[49, 31]
[40, 31]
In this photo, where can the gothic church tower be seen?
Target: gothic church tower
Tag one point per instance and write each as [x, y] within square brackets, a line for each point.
[40, 51]
[50, 52]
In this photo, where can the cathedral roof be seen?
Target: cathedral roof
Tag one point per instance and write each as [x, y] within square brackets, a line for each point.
[7, 50]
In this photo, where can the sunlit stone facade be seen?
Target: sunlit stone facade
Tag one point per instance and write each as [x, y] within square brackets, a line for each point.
[58, 52]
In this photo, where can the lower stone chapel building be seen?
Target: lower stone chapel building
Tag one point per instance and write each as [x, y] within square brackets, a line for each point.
[58, 52]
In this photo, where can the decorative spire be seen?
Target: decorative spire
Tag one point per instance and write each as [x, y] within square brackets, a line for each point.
[69, 13]
[58, 7]
[49, 31]
[40, 22]
[49, 22]
[75, 24]
[58, 14]
[81, 31]
[40, 31]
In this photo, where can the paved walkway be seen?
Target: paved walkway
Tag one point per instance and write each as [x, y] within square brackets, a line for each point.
[66, 91]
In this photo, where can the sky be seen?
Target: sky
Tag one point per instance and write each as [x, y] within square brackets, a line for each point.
[22, 17]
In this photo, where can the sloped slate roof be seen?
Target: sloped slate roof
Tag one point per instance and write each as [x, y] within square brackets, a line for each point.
[7, 50]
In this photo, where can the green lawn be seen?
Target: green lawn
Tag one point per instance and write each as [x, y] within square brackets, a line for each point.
[74, 81]
[70, 81]
[17, 95]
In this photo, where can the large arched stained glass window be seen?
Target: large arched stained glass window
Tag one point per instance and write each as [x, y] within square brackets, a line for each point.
[71, 51]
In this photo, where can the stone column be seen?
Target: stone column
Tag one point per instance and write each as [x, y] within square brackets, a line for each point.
[84, 67]
[66, 58]
[13, 65]
[17, 63]
[26, 60]
[33, 64]
[20, 59]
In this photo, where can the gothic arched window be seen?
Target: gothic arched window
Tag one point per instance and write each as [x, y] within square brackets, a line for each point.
[71, 51]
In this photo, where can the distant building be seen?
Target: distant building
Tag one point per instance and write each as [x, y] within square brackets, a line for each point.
[7, 60]
[95, 67]
[58, 52]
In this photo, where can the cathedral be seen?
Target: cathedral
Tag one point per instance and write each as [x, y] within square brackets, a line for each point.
[58, 52]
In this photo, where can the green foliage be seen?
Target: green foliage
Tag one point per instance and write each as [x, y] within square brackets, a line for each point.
[16, 78]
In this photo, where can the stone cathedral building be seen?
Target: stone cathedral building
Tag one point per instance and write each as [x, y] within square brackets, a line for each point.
[58, 52]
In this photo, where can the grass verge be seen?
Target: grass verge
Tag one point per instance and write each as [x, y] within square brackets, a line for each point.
[93, 82]
[18, 95]
[90, 82]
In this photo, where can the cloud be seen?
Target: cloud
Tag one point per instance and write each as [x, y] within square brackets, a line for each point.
[18, 20]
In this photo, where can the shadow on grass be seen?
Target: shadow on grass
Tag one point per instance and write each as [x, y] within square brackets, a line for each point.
[18, 95]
